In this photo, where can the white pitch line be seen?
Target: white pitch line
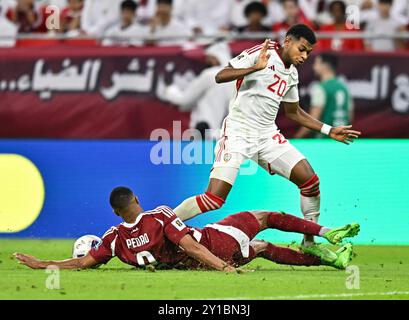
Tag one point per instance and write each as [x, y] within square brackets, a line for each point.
[315, 296]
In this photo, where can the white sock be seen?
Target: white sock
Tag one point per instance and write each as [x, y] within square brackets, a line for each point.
[310, 207]
[324, 230]
[187, 209]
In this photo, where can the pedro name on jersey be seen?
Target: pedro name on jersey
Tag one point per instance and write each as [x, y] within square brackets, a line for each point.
[153, 238]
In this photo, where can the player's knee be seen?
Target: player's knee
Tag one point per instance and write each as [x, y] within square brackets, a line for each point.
[258, 246]
[310, 188]
[209, 201]
[265, 218]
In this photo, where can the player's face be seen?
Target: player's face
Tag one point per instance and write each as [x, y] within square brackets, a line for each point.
[317, 66]
[163, 9]
[75, 5]
[127, 16]
[298, 50]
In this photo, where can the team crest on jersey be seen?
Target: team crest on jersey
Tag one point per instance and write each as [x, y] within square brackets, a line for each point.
[227, 157]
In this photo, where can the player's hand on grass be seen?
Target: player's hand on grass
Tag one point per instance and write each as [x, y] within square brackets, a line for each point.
[231, 269]
[344, 134]
[28, 260]
[263, 57]
[241, 270]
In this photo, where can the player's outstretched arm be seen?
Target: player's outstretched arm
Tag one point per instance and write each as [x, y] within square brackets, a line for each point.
[84, 262]
[344, 134]
[200, 253]
[230, 74]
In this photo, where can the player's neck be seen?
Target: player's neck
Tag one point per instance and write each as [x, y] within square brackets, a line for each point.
[131, 216]
[280, 52]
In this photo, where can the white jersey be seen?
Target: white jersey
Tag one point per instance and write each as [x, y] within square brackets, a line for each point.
[254, 108]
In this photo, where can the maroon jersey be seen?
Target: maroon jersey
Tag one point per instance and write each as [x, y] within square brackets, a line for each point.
[152, 239]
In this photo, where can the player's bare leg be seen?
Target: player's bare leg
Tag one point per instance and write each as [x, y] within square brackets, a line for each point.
[214, 197]
[219, 187]
[308, 182]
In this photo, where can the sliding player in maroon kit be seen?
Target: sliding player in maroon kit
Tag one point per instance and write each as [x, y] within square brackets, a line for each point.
[159, 237]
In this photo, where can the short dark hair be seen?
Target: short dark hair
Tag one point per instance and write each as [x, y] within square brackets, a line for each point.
[169, 2]
[129, 4]
[299, 31]
[329, 59]
[338, 2]
[390, 2]
[255, 7]
[120, 198]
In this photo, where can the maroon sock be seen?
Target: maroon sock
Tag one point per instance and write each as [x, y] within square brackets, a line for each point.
[282, 255]
[290, 223]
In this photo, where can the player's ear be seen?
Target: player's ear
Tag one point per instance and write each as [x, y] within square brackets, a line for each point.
[116, 212]
[136, 199]
[287, 41]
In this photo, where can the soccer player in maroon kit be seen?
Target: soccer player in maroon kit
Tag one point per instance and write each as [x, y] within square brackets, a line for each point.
[159, 237]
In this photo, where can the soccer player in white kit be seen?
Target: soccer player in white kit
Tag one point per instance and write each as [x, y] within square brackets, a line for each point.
[266, 76]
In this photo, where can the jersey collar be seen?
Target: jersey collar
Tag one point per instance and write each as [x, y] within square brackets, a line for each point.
[131, 225]
[287, 67]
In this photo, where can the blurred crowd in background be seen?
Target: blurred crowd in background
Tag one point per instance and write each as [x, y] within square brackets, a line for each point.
[175, 22]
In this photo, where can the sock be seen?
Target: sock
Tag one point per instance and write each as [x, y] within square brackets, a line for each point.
[187, 209]
[290, 223]
[193, 206]
[310, 203]
[282, 255]
[310, 207]
[324, 230]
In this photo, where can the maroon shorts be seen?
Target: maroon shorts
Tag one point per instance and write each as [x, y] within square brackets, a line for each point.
[225, 246]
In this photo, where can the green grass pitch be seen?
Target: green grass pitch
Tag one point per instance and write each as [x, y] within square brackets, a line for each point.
[383, 274]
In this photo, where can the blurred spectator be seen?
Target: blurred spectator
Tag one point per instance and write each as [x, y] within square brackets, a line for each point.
[309, 8]
[254, 12]
[207, 16]
[163, 25]
[383, 24]
[275, 13]
[146, 10]
[208, 100]
[400, 11]
[6, 5]
[98, 15]
[58, 3]
[8, 32]
[337, 10]
[331, 101]
[127, 27]
[28, 16]
[70, 18]
[293, 15]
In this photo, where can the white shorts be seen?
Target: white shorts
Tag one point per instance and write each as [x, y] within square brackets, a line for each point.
[275, 154]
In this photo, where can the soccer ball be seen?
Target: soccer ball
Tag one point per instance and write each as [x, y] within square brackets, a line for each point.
[84, 244]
